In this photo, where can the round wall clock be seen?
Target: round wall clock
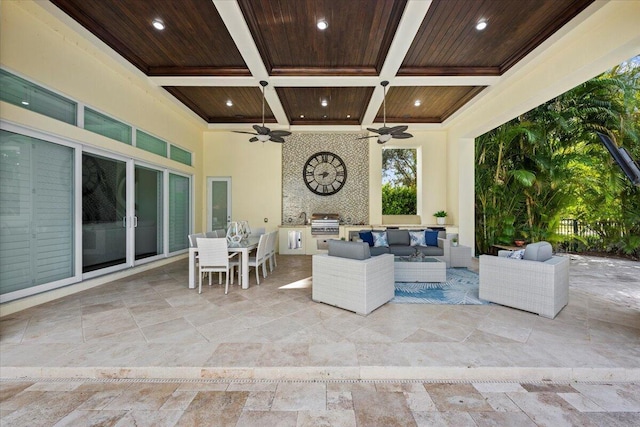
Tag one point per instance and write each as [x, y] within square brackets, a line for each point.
[324, 173]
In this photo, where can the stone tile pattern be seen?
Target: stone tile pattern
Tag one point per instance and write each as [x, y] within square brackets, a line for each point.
[307, 404]
[351, 202]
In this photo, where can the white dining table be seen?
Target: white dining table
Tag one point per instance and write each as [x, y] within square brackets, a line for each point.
[244, 247]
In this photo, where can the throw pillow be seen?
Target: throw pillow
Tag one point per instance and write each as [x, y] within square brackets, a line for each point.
[366, 236]
[516, 254]
[380, 238]
[431, 237]
[417, 238]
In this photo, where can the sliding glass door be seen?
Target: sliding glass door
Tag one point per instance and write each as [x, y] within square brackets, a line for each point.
[37, 219]
[147, 221]
[104, 212]
[70, 213]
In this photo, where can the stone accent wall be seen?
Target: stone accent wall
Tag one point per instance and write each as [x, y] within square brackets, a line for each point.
[351, 202]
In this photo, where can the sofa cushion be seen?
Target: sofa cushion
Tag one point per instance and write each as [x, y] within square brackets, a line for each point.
[432, 250]
[398, 237]
[402, 250]
[380, 238]
[367, 237]
[539, 251]
[379, 250]
[417, 238]
[352, 250]
[431, 237]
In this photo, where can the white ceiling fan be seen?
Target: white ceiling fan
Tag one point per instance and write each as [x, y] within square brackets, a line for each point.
[385, 133]
[263, 133]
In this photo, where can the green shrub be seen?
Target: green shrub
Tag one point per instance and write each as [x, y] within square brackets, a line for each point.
[399, 200]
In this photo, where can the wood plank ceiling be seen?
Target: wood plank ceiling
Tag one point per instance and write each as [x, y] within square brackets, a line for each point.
[215, 52]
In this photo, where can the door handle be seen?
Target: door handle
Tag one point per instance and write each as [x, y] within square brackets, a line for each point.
[135, 222]
[124, 222]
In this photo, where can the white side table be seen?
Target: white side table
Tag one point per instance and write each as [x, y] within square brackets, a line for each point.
[460, 256]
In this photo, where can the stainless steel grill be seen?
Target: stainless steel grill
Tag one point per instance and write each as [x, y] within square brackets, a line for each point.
[325, 224]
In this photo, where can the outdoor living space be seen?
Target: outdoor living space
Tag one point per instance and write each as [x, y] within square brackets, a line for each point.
[275, 356]
[151, 325]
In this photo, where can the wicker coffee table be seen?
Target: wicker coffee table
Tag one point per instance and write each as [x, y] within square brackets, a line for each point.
[425, 269]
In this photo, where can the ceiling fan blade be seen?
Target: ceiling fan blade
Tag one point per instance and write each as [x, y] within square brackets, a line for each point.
[366, 137]
[373, 130]
[403, 135]
[261, 130]
[276, 139]
[280, 133]
[254, 139]
[242, 131]
[398, 129]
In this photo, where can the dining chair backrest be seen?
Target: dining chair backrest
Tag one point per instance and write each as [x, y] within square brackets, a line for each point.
[262, 247]
[193, 243]
[271, 246]
[211, 234]
[213, 252]
[221, 232]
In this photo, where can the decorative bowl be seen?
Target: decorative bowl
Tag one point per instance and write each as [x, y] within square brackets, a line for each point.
[519, 243]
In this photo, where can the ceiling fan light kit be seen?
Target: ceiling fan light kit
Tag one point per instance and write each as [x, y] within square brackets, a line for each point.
[384, 133]
[263, 133]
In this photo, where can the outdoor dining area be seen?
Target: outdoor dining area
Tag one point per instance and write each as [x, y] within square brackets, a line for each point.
[225, 251]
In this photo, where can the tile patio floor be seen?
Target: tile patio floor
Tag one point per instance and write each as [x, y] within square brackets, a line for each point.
[271, 356]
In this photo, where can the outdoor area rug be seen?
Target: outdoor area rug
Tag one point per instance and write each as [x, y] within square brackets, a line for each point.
[461, 287]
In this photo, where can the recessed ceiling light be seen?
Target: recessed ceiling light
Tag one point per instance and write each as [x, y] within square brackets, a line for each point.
[229, 103]
[417, 103]
[158, 24]
[302, 116]
[348, 116]
[481, 25]
[324, 117]
[324, 103]
[322, 24]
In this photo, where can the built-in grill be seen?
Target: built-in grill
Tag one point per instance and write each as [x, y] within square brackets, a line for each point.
[325, 224]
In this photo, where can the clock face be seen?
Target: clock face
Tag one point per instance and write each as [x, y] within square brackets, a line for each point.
[324, 173]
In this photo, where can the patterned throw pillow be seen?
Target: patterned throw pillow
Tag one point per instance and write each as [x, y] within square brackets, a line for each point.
[380, 238]
[516, 254]
[417, 238]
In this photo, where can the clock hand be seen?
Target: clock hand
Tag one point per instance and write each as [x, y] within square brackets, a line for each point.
[324, 174]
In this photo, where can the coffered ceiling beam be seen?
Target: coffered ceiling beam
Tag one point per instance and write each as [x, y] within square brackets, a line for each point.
[414, 13]
[231, 15]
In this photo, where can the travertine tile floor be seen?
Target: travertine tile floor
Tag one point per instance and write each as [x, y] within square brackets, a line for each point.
[508, 366]
[344, 404]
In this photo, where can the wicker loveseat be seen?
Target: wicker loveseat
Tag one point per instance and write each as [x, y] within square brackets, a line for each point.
[539, 282]
[348, 277]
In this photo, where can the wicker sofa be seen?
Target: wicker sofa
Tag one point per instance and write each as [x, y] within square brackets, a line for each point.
[400, 244]
[348, 277]
[539, 282]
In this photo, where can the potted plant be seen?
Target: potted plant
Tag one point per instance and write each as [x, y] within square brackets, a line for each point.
[454, 241]
[440, 217]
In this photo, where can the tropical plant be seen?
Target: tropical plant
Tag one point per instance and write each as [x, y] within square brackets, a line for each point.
[548, 164]
[440, 214]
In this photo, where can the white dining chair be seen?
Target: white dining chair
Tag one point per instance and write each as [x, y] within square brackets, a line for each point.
[192, 239]
[211, 234]
[260, 258]
[214, 258]
[271, 250]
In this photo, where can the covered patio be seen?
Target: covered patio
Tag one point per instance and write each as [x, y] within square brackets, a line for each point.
[151, 326]
[147, 350]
